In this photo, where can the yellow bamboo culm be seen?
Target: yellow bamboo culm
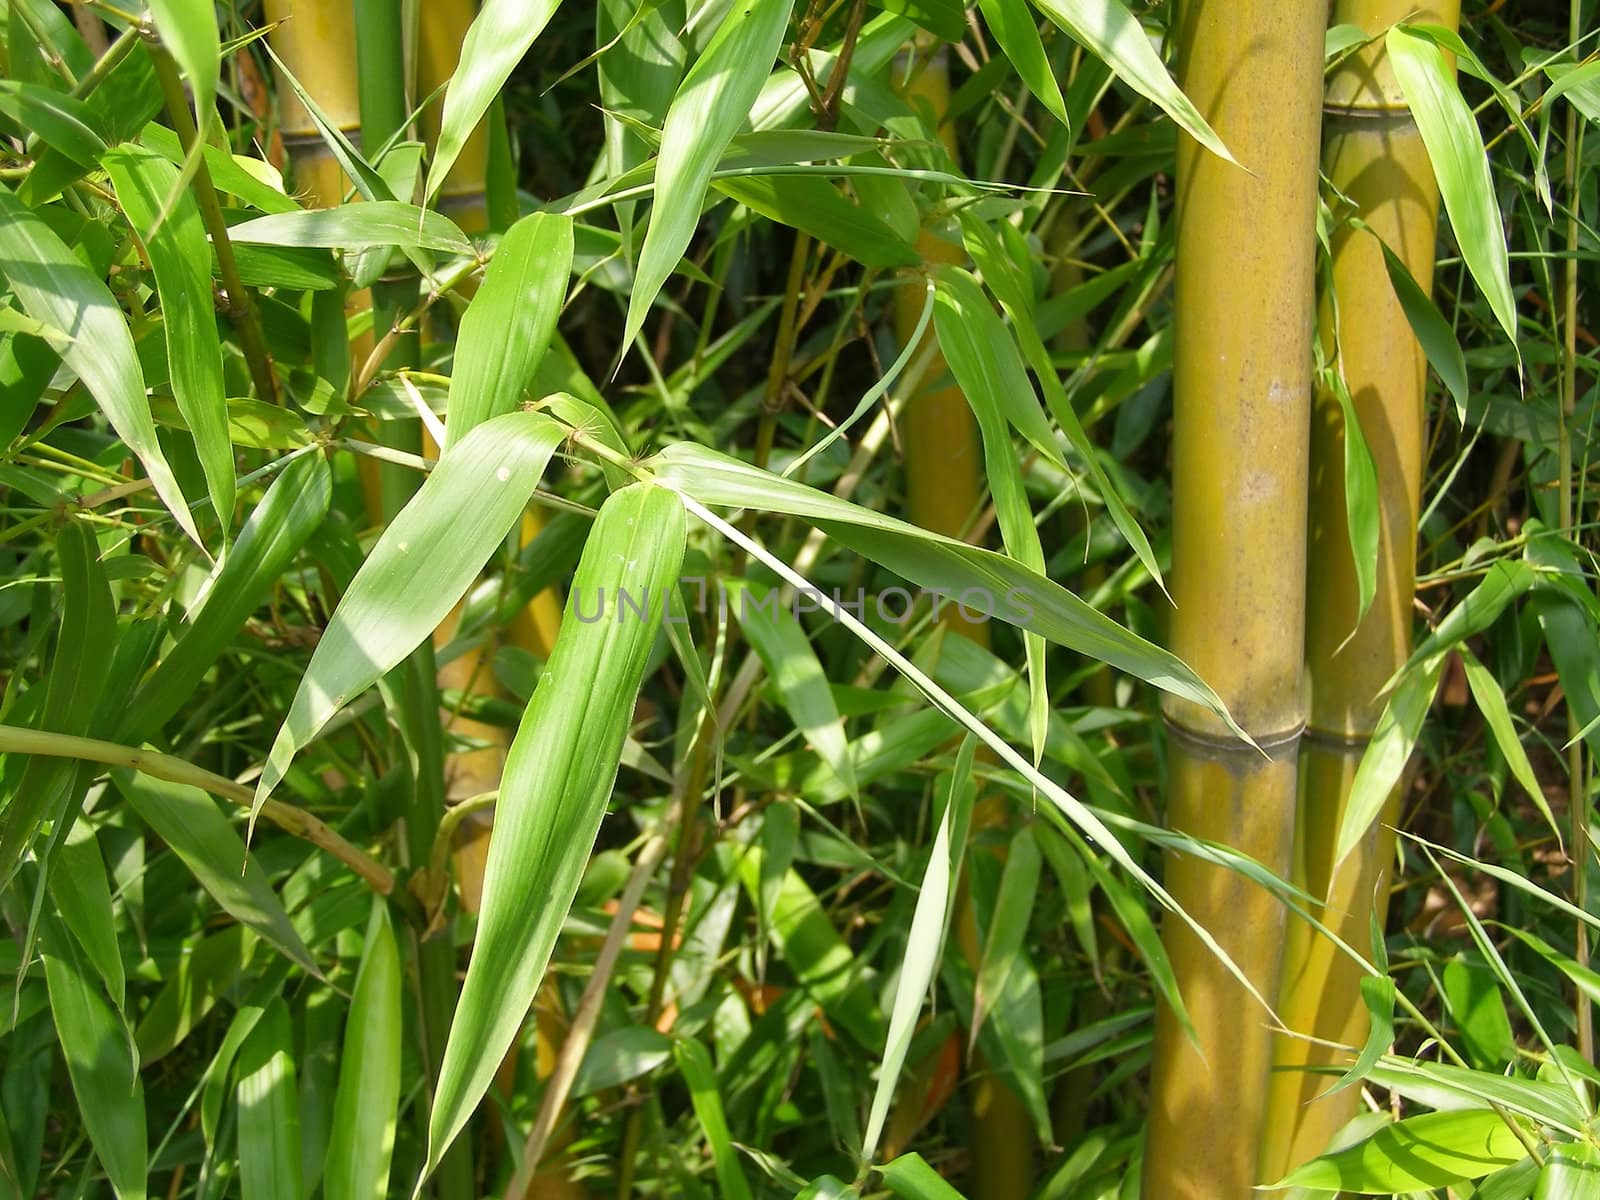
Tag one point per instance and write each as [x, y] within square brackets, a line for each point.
[1374, 156]
[1245, 295]
[944, 490]
[317, 42]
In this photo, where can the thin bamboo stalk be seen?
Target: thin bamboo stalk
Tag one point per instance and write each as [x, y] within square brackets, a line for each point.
[1242, 395]
[944, 489]
[1373, 155]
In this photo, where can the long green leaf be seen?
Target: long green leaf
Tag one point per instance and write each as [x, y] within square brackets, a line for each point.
[930, 922]
[712, 104]
[293, 508]
[496, 41]
[792, 665]
[424, 562]
[1460, 163]
[991, 583]
[180, 257]
[364, 1106]
[379, 223]
[61, 122]
[1433, 1150]
[188, 29]
[82, 895]
[1113, 34]
[54, 287]
[105, 1078]
[694, 1064]
[189, 821]
[558, 777]
[269, 1116]
[508, 325]
[1013, 24]
[1387, 754]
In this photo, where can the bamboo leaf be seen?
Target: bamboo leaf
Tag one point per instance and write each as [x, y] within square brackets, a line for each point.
[557, 780]
[1433, 1150]
[424, 562]
[984, 360]
[63, 123]
[368, 1095]
[985, 581]
[188, 29]
[496, 41]
[54, 287]
[1005, 282]
[792, 665]
[1386, 755]
[930, 923]
[207, 967]
[1008, 925]
[85, 643]
[711, 105]
[1460, 163]
[1438, 340]
[1013, 24]
[180, 257]
[910, 1177]
[1377, 993]
[82, 895]
[190, 823]
[269, 1115]
[294, 506]
[816, 206]
[105, 1078]
[1491, 702]
[1571, 1172]
[1360, 499]
[508, 325]
[1113, 34]
[694, 1064]
[379, 223]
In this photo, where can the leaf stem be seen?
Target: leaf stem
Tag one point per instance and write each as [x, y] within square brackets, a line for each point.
[240, 311]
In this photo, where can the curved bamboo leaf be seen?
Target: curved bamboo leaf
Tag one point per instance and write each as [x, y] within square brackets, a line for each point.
[1013, 24]
[986, 582]
[63, 123]
[496, 41]
[558, 778]
[1113, 34]
[188, 29]
[290, 512]
[180, 257]
[54, 287]
[712, 104]
[1433, 1150]
[190, 823]
[1461, 165]
[424, 562]
[694, 1064]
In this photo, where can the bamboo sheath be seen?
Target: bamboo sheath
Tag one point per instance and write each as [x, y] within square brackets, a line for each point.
[1242, 380]
[944, 490]
[1374, 156]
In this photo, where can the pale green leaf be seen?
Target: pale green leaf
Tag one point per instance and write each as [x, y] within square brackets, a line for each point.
[557, 780]
[1433, 1150]
[364, 1106]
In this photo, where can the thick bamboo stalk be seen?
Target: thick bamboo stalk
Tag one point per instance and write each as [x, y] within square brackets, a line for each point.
[944, 488]
[1242, 397]
[1373, 155]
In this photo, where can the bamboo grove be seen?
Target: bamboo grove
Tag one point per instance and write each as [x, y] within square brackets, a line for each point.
[765, 599]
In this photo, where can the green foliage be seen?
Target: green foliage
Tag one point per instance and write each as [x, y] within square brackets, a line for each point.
[754, 921]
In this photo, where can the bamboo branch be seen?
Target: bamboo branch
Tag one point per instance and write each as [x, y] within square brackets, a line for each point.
[175, 770]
